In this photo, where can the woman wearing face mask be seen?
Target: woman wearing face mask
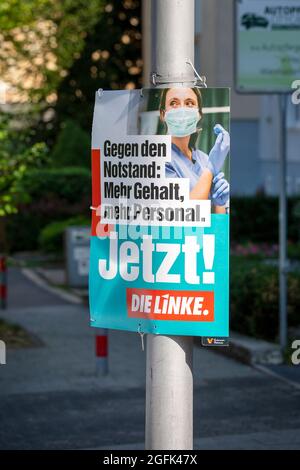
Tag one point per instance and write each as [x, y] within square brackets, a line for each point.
[181, 111]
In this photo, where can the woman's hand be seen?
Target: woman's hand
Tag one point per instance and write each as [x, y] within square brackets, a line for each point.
[220, 190]
[219, 151]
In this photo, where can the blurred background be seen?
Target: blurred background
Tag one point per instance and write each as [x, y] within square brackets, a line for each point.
[53, 57]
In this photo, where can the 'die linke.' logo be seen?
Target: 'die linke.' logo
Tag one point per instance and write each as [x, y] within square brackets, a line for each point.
[131, 261]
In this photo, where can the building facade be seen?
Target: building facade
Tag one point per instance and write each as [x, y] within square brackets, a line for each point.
[255, 125]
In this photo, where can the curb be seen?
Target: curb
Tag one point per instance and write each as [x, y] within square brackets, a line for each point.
[39, 281]
[251, 351]
[271, 373]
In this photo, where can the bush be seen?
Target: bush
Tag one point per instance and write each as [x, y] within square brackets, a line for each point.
[51, 238]
[255, 219]
[67, 184]
[72, 147]
[254, 295]
[54, 194]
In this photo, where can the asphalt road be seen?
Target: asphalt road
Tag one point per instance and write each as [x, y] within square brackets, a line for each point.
[50, 397]
[92, 419]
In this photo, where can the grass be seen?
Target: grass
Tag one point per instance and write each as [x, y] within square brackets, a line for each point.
[15, 336]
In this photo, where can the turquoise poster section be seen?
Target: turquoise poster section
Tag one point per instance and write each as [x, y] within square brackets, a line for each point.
[108, 297]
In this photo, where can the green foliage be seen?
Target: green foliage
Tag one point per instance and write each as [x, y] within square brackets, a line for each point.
[293, 251]
[61, 185]
[255, 219]
[254, 287]
[296, 217]
[254, 298]
[14, 336]
[14, 13]
[17, 156]
[51, 238]
[53, 194]
[111, 59]
[43, 37]
[72, 147]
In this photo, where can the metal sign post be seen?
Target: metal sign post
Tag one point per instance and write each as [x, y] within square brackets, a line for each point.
[266, 38]
[169, 382]
[283, 262]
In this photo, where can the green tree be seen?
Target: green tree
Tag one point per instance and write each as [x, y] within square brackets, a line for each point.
[39, 41]
[17, 155]
[111, 59]
[72, 147]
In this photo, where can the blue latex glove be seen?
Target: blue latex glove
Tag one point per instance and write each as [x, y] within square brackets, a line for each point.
[218, 129]
[220, 190]
[219, 151]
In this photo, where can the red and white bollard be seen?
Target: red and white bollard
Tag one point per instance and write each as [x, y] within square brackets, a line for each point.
[102, 351]
[3, 282]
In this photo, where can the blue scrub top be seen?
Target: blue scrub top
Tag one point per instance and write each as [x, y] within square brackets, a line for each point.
[182, 167]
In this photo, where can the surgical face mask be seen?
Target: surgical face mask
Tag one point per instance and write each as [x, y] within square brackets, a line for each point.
[182, 122]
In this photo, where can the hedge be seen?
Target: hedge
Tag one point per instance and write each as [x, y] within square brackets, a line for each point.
[72, 146]
[67, 184]
[54, 195]
[51, 238]
[255, 219]
[254, 298]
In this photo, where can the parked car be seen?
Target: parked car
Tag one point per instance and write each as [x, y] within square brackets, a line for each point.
[250, 20]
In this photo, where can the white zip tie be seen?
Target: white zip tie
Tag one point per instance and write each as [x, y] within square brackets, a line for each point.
[142, 334]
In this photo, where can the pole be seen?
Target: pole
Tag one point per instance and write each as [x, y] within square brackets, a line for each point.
[146, 41]
[283, 227]
[3, 282]
[169, 376]
[101, 349]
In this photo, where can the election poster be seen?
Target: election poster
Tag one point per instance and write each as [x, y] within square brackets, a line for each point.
[159, 258]
[267, 45]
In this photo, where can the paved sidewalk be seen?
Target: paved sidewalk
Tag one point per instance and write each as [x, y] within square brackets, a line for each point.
[52, 399]
[22, 292]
